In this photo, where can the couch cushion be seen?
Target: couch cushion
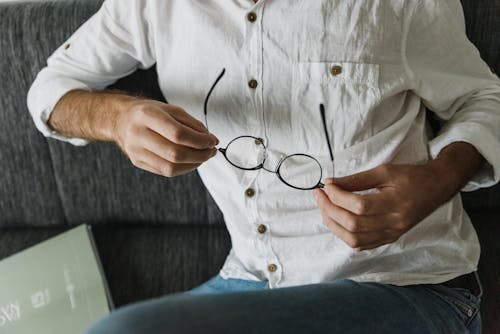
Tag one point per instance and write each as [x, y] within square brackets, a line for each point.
[483, 199]
[46, 182]
[142, 262]
[28, 191]
[108, 188]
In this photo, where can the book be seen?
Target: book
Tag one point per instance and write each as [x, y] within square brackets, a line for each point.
[55, 287]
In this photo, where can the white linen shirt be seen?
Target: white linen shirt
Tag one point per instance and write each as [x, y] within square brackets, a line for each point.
[393, 58]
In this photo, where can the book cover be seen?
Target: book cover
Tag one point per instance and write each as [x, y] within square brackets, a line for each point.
[55, 287]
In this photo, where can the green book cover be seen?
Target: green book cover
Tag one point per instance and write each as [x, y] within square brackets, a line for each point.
[55, 287]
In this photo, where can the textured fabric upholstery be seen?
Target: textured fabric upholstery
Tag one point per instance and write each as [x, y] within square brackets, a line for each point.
[52, 183]
[155, 235]
[28, 191]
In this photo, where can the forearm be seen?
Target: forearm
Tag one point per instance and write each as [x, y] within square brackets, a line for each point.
[89, 115]
[454, 167]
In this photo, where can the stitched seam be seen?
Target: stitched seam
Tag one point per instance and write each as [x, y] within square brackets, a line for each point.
[455, 305]
[58, 182]
[464, 308]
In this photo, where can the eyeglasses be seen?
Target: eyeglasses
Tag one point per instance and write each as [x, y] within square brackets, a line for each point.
[300, 171]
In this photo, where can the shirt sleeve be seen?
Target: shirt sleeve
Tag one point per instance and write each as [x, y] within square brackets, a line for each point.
[112, 44]
[455, 83]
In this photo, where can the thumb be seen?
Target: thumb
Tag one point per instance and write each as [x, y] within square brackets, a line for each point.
[369, 179]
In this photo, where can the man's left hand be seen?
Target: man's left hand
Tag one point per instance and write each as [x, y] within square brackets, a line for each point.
[405, 194]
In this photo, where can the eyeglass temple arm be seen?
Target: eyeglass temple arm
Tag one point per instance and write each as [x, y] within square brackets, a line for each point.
[210, 93]
[323, 120]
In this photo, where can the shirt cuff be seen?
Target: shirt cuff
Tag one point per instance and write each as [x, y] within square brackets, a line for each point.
[485, 143]
[42, 101]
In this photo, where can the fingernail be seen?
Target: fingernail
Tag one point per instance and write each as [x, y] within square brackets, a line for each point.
[329, 180]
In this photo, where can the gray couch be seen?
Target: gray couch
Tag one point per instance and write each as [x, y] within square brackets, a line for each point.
[155, 235]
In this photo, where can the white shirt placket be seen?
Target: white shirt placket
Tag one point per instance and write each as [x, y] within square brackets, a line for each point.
[262, 232]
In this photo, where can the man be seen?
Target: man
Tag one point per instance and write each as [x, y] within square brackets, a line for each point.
[379, 248]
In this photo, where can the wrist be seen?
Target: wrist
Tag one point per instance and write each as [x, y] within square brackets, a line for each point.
[454, 167]
[91, 115]
[120, 104]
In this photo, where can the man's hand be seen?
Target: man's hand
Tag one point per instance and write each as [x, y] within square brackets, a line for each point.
[158, 137]
[162, 138]
[405, 194]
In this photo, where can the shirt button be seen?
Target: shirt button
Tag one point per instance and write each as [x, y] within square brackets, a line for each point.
[336, 70]
[272, 267]
[253, 84]
[262, 229]
[251, 17]
[250, 192]
[67, 46]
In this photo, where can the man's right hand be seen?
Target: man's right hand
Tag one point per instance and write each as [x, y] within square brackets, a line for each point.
[162, 138]
[158, 137]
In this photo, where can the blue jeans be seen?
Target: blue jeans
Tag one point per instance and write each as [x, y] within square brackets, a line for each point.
[342, 306]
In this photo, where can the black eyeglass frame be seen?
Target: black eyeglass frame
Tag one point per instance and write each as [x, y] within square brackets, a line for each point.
[261, 142]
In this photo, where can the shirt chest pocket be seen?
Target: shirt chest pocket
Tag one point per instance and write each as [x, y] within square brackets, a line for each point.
[349, 92]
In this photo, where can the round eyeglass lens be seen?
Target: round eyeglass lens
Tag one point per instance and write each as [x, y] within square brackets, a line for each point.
[246, 152]
[300, 171]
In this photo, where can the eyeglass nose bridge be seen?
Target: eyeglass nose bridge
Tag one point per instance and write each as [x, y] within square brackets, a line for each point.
[278, 164]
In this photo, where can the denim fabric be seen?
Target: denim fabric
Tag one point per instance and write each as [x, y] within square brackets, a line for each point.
[217, 284]
[343, 306]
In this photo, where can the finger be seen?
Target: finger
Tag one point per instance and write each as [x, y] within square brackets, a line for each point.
[169, 151]
[163, 167]
[144, 166]
[185, 118]
[353, 239]
[351, 222]
[364, 180]
[359, 240]
[376, 245]
[361, 204]
[321, 198]
[181, 115]
[168, 127]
